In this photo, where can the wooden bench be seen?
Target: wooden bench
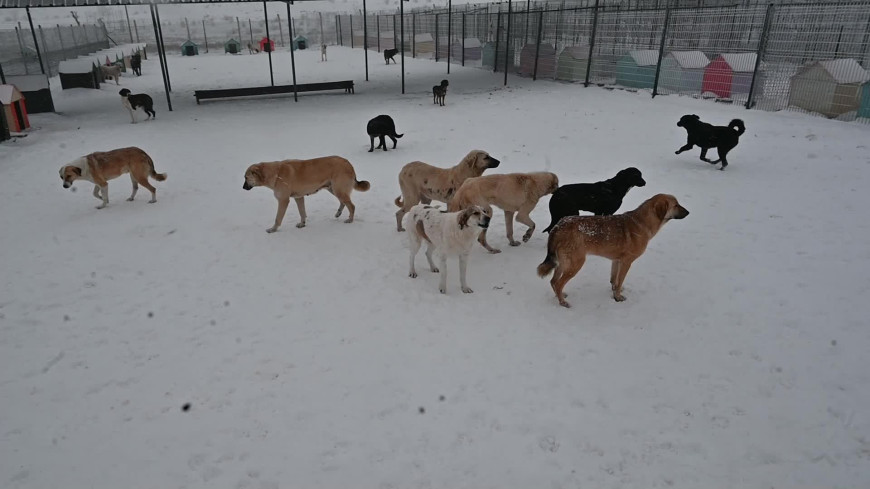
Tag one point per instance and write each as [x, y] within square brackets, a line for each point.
[346, 85]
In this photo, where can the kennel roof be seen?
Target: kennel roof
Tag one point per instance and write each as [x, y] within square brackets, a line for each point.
[108, 3]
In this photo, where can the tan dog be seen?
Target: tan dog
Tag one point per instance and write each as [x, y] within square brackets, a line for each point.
[512, 192]
[111, 72]
[621, 238]
[100, 167]
[421, 182]
[298, 178]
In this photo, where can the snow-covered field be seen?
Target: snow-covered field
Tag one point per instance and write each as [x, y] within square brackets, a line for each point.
[310, 359]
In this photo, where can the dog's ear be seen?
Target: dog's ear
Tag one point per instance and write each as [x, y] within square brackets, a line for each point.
[695, 116]
[661, 206]
[77, 171]
[463, 218]
[257, 171]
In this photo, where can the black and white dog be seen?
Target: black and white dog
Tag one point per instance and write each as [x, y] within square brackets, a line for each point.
[379, 127]
[132, 102]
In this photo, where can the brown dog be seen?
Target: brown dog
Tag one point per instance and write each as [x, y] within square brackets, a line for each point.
[100, 167]
[421, 182]
[621, 238]
[512, 192]
[298, 178]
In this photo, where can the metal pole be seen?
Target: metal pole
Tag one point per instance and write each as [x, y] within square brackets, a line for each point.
[591, 44]
[35, 44]
[205, 35]
[402, 36]
[762, 46]
[47, 54]
[129, 29]
[661, 50]
[526, 35]
[365, 37]
[413, 35]
[378, 26]
[322, 40]
[507, 38]
[72, 32]
[163, 50]
[293, 56]
[268, 45]
[251, 30]
[338, 37]
[436, 38]
[239, 26]
[350, 16]
[463, 38]
[449, 31]
[60, 38]
[497, 39]
[160, 57]
[538, 44]
[2, 76]
[187, 25]
[281, 33]
[395, 32]
[136, 28]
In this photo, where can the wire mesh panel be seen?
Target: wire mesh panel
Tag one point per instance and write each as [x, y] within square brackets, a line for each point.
[626, 48]
[813, 60]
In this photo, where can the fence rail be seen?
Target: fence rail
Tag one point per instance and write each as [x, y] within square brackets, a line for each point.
[811, 57]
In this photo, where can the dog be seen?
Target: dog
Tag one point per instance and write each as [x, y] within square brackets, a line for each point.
[111, 72]
[380, 127]
[600, 198]
[136, 64]
[298, 178]
[421, 182]
[323, 52]
[132, 102]
[102, 166]
[439, 92]
[706, 136]
[512, 192]
[450, 233]
[388, 55]
[622, 238]
[252, 49]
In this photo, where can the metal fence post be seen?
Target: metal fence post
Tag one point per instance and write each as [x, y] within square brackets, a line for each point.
[35, 43]
[436, 38]
[350, 21]
[281, 32]
[762, 46]
[497, 38]
[365, 38]
[378, 25]
[507, 42]
[205, 35]
[538, 45]
[449, 31]
[45, 47]
[251, 30]
[136, 29]
[661, 51]
[129, 29]
[413, 35]
[60, 38]
[395, 34]
[463, 38]
[338, 37]
[292, 56]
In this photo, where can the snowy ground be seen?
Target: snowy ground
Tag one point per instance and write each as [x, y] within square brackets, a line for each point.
[310, 359]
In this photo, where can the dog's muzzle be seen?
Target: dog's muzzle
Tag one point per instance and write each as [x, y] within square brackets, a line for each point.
[681, 213]
[641, 183]
[67, 184]
[493, 163]
[247, 186]
[484, 222]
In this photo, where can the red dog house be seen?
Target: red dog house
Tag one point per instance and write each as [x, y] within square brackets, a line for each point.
[12, 103]
[267, 45]
[729, 73]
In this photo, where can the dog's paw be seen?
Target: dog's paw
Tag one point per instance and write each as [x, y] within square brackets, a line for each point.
[347, 221]
[442, 290]
[413, 274]
[467, 290]
[371, 150]
[101, 206]
[130, 199]
[564, 303]
[300, 224]
[517, 243]
[435, 270]
[618, 297]
[271, 230]
[495, 251]
[152, 201]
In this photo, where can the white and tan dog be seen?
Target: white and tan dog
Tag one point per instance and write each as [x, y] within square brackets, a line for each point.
[102, 166]
[111, 72]
[450, 233]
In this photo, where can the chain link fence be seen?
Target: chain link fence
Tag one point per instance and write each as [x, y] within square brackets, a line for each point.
[809, 57]
[18, 54]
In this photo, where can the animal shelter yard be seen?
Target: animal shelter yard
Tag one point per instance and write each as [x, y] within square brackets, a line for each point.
[180, 345]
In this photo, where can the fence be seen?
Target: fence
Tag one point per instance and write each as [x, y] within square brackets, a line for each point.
[18, 53]
[807, 57]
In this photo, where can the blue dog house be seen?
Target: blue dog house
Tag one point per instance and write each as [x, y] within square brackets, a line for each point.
[864, 108]
[637, 69]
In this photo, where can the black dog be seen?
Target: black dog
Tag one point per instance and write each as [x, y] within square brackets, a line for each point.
[379, 127]
[706, 136]
[389, 53]
[136, 64]
[132, 102]
[600, 198]
[439, 92]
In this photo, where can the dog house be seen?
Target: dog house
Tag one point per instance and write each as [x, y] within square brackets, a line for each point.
[572, 63]
[78, 73]
[831, 87]
[267, 45]
[472, 49]
[546, 56]
[489, 55]
[232, 46]
[864, 107]
[14, 108]
[299, 42]
[637, 69]
[683, 71]
[424, 44]
[189, 48]
[729, 74]
[35, 90]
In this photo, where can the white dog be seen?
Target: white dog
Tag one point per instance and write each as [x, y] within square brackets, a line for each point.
[112, 72]
[451, 233]
[323, 52]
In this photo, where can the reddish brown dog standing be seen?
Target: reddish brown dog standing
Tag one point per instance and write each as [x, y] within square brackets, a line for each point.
[622, 238]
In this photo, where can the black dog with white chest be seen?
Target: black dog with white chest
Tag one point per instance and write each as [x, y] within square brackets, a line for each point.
[439, 92]
[134, 101]
[380, 127]
[388, 55]
[600, 198]
[706, 136]
[136, 64]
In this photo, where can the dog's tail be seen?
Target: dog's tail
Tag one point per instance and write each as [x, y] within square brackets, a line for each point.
[399, 202]
[397, 136]
[738, 125]
[156, 176]
[362, 185]
[550, 261]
